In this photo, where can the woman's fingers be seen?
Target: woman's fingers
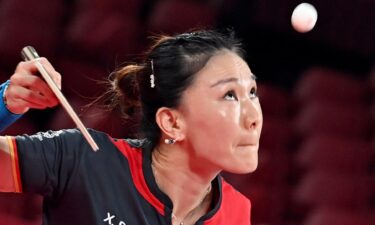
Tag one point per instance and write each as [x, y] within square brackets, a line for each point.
[36, 84]
[27, 90]
[30, 68]
[20, 99]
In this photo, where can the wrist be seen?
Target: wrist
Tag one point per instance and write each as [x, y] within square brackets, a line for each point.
[6, 116]
[12, 107]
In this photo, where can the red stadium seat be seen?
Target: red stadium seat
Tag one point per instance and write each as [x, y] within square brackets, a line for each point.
[273, 167]
[20, 26]
[25, 125]
[129, 8]
[81, 79]
[322, 117]
[175, 16]
[334, 216]
[372, 80]
[276, 133]
[275, 101]
[329, 85]
[372, 112]
[332, 153]
[262, 196]
[319, 188]
[20, 209]
[104, 35]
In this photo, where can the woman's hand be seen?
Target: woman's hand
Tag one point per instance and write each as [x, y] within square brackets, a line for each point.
[27, 90]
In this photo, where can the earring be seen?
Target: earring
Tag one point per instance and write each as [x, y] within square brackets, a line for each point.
[169, 141]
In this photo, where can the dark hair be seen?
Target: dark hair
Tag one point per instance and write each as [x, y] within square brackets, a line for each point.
[175, 61]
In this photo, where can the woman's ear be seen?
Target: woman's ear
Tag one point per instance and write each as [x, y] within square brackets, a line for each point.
[171, 123]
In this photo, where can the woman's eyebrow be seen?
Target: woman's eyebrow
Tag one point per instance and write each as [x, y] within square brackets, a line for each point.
[224, 81]
[230, 79]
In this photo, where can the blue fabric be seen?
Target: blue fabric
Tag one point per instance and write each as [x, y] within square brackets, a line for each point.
[6, 117]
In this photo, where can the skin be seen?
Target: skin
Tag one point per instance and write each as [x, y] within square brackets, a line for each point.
[217, 127]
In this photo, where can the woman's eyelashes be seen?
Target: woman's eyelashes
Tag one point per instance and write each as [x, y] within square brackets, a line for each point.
[232, 96]
[253, 93]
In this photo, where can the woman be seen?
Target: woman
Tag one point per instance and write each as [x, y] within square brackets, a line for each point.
[200, 115]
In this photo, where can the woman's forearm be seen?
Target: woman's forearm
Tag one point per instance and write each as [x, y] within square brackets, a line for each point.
[6, 116]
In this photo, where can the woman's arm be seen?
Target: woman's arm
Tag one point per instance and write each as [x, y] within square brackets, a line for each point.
[6, 117]
[25, 90]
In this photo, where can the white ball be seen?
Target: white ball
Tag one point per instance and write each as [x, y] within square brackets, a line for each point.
[304, 17]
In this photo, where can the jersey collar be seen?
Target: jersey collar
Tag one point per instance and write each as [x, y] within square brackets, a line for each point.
[168, 205]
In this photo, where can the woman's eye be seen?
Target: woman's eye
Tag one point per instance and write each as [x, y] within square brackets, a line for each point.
[230, 95]
[253, 93]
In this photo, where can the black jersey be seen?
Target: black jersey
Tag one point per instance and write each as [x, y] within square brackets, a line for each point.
[113, 186]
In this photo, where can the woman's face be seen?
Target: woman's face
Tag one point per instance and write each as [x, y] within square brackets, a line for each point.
[223, 115]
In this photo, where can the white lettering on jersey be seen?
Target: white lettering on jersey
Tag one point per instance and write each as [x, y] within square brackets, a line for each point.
[42, 135]
[110, 218]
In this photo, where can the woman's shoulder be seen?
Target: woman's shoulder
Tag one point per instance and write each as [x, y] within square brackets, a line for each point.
[74, 137]
[122, 144]
[75, 132]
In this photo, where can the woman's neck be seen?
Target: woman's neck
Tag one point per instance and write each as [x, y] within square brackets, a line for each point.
[188, 188]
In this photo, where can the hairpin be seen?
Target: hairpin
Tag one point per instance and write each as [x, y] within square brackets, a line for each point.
[152, 77]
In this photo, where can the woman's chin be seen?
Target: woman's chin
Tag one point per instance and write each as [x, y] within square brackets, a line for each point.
[244, 169]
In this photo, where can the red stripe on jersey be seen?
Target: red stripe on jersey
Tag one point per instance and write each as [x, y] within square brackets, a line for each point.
[134, 156]
[15, 164]
[234, 208]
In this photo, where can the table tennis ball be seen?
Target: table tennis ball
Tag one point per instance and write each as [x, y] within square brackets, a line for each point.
[304, 17]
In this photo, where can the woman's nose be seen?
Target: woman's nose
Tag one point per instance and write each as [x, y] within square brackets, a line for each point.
[252, 114]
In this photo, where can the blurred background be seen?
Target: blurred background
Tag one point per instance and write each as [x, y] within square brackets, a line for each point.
[317, 90]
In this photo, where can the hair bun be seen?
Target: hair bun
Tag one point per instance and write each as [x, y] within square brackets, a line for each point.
[126, 89]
